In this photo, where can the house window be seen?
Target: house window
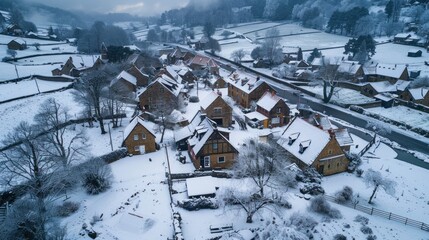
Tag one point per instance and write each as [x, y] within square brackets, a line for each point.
[143, 136]
[136, 137]
[206, 161]
[221, 159]
[136, 149]
[279, 110]
[150, 99]
[329, 151]
[217, 110]
[338, 164]
[329, 166]
[214, 146]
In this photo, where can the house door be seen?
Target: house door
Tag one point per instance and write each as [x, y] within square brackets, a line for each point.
[142, 149]
[206, 162]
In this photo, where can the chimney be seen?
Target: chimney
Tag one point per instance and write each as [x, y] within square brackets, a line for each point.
[257, 78]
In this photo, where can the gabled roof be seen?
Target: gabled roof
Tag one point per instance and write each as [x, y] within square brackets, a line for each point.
[268, 101]
[137, 120]
[174, 74]
[126, 76]
[301, 135]
[209, 99]
[203, 61]
[388, 70]
[402, 35]
[418, 93]
[321, 121]
[19, 41]
[202, 133]
[386, 86]
[343, 137]
[245, 83]
[350, 67]
[167, 82]
[187, 131]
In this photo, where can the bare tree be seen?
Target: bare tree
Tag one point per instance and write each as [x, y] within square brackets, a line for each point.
[260, 162]
[237, 55]
[374, 179]
[271, 48]
[114, 103]
[327, 77]
[29, 165]
[62, 143]
[89, 90]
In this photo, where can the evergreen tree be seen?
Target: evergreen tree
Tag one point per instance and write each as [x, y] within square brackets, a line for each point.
[299, 55]
[314, 54]
[354, 46]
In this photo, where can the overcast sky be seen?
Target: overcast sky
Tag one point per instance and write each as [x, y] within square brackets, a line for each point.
[135, 7]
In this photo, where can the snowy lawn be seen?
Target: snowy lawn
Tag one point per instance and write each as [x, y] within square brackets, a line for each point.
[342, 95]
[408, 116]
[8, 70]
[28, 87]
[411, 197]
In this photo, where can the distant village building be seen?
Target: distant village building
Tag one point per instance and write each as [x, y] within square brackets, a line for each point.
[124, 83]
[14, 29]
[386, 72]
[75, 68]
[245, 90]
[373, 88]
[414, 53]
[274, 108]
[182, 135]
[310, 146]
[350, 70]
[17, 44]
[217, 109]
[201, 62]
[163, 94]
[209, 147]
[416, 95]
[138, 138]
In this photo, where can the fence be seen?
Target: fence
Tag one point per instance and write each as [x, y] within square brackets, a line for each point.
[3, 212]
[368, 146]
[383, 214]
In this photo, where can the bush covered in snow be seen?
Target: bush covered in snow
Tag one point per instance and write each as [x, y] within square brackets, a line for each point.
[309, 175]
[359, 172]
[67, 208]
[273, 230]
[194, 99]
[371, 237]
[366, 230]
[345, 195]
[196, 204]
[361, 219]
[96, 176]
[312, 189]
[320, 205]
[302, 222]
[340, 237]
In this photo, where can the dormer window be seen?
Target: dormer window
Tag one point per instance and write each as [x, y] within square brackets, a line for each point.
[304, 145]
[292, 138]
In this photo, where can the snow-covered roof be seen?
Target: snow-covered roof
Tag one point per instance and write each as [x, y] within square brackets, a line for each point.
[200, 186]
[414, 50]
[174, 74]
[268, 101]
[187, 131]
[246, 84]
[127, 77]
[304, 140]
[388, 70]
[321, 121]
[386, 86]
[132, 47]
[418, 93]
[343, 137]
[256, 115]
[402, 35]
[383, 97]
[20, 41]
[350, 67]
[167, 82]
[202, 134]
[203, 61]
[133, 124]
[208, 100]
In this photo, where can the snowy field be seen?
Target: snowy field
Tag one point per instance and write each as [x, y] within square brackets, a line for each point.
[28, 87]
[407, 115]
[12, 113]
[342, 95]
[8, 70]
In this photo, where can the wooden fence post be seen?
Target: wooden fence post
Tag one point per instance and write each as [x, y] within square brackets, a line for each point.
[390, 215]
[372, 210]
[406, 220]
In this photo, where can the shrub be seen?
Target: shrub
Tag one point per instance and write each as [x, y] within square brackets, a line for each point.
[345, 195]
[312, 189]
[359, 172]
[309, 175]
[340, 237]
[67, 208]
[302, 222]
[320, 205]
[371, 237]
[96, 176]
[198, 203]
[194, 99]
[361, 219]
[366, 230]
